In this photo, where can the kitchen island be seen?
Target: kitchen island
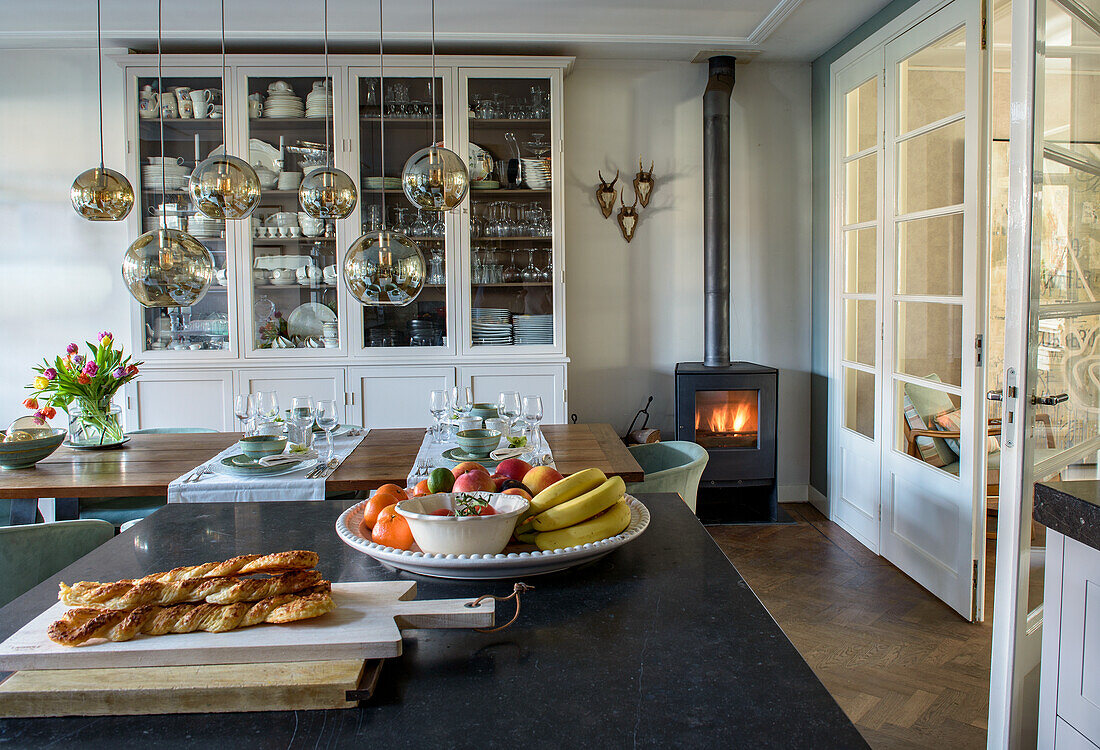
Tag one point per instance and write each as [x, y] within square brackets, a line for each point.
[659, 644]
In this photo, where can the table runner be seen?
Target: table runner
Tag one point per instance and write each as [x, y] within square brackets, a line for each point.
[434, 455]
[290, 486]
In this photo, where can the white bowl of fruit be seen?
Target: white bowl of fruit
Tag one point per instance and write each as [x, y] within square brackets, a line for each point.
[463, 523]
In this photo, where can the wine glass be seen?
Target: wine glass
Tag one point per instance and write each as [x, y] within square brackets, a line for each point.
[327, 419]
[438, 405]
[462, 400]
[302, 416]
[508, 407]
[532, 415]
[244, 406]
[267, 409]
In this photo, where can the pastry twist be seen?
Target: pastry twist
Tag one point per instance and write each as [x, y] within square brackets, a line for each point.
[79, 625]
[278, 562]
[127, 595]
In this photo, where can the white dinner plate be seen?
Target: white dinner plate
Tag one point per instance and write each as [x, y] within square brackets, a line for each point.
[503, 565]
[260, 153]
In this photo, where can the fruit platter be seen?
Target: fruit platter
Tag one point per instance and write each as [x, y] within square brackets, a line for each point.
[521, 520]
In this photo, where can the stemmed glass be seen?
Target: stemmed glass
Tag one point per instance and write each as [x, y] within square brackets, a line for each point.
[327, 419]
[302, 416]
[462, 400]
[267, 409]
[438, 405]
[532, 415]
[531, 273]
[508, 407]
[244, 406]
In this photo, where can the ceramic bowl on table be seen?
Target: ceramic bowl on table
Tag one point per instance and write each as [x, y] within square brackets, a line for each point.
[462, 535]
[477, 442]
[24, 454]
[484, 411]
[258, 446]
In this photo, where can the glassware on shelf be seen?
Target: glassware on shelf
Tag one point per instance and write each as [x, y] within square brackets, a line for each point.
[531, 273]
[436, 273]
[512, 273]
[536, 146]
[420, 226]
[400, 219]
[374, 218]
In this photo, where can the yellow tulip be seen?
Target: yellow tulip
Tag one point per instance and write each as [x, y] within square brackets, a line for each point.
[41, 383]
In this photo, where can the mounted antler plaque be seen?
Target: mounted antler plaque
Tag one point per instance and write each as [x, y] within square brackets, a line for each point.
[605, 194]
[643, 183]
[628, 217]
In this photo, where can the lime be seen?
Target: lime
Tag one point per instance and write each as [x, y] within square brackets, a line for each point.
[441, 480]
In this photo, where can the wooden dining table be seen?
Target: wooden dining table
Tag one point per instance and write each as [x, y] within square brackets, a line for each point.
[146, 464]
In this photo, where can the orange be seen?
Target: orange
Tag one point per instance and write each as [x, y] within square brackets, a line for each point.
[391, 529]
[517, 491]
[377, 502]
[421, 488]
[395, 490]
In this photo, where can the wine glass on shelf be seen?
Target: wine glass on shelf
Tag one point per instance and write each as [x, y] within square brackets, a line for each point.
[267, 410]
[327, 419]
[438, 405]
[508, 407]
[244, 406]
[531, 272]
[302, 416]
[532, 415]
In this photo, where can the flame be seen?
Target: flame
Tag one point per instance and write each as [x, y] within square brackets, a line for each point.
[727, 418]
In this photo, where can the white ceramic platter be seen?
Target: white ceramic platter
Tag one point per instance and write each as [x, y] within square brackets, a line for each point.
[504, 565]
[260, 153]
[306, 320]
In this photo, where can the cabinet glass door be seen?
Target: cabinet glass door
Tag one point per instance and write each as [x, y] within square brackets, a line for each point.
[161, 180]
[407, 100]
[292, 257]
[510, 126]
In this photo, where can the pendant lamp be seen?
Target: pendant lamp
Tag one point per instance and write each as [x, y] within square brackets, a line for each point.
[327, 193]
[101, 194]
[383, 268]
[435, 178]
[224, 186]
[166, 267]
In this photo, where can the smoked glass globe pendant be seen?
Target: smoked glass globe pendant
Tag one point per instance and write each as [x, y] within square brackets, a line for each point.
[327, 193]
[435, 179]
[167, 268]
[101, 194]
[384, 268]
[225, 187]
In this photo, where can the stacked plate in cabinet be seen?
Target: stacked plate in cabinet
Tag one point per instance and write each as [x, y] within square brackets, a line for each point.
[533, 329]
[281, 105]
[491, 326]
[536, 173]
[319, 103]
[166, 173]
[199, 225]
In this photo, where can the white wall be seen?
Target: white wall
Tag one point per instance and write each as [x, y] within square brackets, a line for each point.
[636, 310]
[59, 274]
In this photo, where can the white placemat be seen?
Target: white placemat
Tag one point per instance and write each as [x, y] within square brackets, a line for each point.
[434, 455]
[221, 488]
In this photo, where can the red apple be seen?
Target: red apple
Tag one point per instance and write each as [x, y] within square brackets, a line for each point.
[517, 491]
[514, 468]
[498, 481]
[541, 477]
[465, 466]
[475, 480]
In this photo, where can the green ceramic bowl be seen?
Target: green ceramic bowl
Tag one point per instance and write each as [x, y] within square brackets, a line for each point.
[258, 446]
[484, 411]
[478, 442]
[24, 454]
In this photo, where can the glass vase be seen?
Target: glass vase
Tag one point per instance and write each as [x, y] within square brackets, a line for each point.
[94, 423]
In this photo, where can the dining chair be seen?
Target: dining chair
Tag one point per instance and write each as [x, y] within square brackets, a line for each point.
[119, 510]
[671, 466]
[32, 553]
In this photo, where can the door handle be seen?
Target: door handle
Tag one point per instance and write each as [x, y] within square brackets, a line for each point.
[1046, 400]
[996, 395]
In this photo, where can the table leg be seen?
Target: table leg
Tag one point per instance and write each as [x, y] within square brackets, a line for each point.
[23, 511]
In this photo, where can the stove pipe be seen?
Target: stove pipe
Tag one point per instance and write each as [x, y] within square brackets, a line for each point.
[716, 211]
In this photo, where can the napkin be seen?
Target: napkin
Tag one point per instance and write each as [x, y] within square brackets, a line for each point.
[287, 458]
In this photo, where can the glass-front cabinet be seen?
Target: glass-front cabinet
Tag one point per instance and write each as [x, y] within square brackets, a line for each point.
[294, 285]
[510, 125]
[188, 113]
[393, 118]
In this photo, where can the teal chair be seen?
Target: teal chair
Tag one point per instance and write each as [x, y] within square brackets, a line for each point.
[673, 466]
[32, 553]
[119, 510]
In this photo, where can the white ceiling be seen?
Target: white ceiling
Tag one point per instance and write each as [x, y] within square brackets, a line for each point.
[652, 29]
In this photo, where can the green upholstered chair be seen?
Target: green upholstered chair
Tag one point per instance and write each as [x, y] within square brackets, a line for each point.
[672, 466]
[31, 553]
[119, 510]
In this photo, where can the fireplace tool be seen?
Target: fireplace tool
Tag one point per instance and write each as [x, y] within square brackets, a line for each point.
[642, 435]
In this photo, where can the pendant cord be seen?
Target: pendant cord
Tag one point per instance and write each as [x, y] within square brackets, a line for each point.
[382, 114]
[225, 148]
[160, 89]
[434, 128]
[328, 151]
[99, 52]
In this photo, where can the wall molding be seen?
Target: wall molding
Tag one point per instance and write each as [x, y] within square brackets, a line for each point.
[819, 501]
[792, 493]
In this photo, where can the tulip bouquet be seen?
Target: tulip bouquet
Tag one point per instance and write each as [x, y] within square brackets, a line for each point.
[83, 386]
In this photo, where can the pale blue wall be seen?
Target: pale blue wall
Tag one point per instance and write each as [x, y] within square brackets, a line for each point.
[819, 331]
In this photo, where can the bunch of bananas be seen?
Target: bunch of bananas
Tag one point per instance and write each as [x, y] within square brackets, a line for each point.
[582, 508]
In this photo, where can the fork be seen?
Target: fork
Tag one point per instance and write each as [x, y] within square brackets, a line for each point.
[197, 475]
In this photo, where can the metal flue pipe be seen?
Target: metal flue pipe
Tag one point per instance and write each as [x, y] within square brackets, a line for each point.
[716, 211]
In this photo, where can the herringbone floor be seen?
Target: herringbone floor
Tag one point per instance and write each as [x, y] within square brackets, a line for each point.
[905, 668]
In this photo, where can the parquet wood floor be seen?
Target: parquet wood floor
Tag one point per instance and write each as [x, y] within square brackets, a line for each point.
[907, 670]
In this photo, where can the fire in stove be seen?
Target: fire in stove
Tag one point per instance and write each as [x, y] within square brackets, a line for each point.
[727, 419]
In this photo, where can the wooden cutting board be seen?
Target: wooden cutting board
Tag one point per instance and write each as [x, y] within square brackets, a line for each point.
[365, 625]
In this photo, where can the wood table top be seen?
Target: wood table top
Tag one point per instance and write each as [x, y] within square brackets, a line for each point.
[146, 464]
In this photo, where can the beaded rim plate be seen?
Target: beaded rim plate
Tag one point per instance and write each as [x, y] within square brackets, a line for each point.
[503, 565]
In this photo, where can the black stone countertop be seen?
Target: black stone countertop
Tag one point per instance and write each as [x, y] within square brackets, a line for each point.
[1070, 508]
[659, 644]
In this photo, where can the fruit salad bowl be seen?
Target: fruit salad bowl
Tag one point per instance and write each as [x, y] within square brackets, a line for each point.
[437, 530]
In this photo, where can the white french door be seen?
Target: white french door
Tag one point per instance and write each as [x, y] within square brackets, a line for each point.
[1052, 331]
[933, 503]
